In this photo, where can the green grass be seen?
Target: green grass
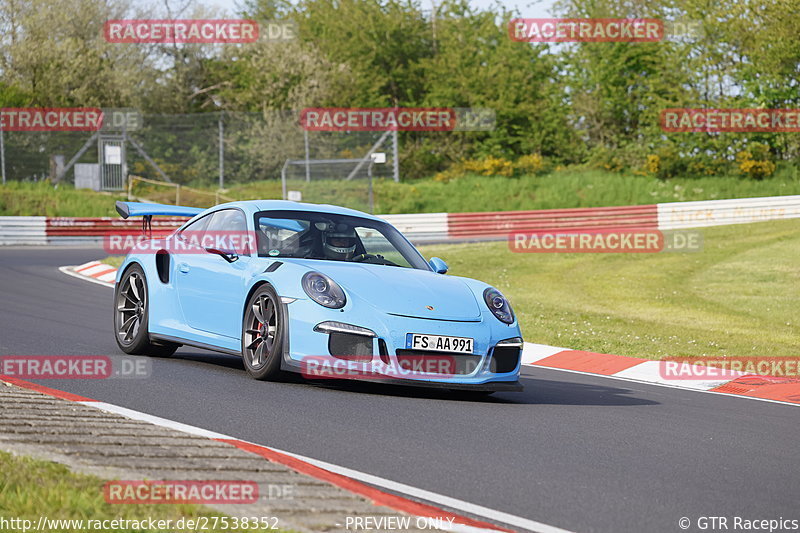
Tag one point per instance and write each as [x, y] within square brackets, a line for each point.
[113, 260]
[41, 199]
[573, 187]
[738, 297]
[31, 488]
[564, 189]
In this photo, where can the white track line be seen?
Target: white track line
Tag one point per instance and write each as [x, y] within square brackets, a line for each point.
[393, 486]
[156, 420]
[440, 499]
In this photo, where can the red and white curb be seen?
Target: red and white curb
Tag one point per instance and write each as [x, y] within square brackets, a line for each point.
[94, 271]
[360, 483]
[756, 387]
[765, 388]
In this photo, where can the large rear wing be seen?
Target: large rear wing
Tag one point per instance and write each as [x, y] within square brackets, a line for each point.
[139, 209]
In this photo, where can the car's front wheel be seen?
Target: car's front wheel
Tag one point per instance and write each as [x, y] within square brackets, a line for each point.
[262, 334]
[131, 316]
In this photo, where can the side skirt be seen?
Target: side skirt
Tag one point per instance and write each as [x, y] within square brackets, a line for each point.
[195, 344]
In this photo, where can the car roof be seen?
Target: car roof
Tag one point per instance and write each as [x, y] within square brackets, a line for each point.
[253, 206]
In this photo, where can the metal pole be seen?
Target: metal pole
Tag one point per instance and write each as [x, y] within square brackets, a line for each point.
[371, 198]
[308, 172]
[283, 179]
[221, 156]
[2, 156]
[124, 148]
[395, 157]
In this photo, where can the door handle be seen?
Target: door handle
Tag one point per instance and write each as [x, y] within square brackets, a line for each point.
[183, 267]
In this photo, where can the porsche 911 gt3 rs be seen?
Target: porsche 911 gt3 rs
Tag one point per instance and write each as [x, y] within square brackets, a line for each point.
[317, 289]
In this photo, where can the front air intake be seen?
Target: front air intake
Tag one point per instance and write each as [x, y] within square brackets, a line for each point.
[504, 359]
[350, 347]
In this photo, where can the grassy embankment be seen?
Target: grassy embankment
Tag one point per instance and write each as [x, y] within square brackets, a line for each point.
[563, 189]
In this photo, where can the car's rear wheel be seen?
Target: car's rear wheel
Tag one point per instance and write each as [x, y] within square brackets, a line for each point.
[262, 334]
[131, 305]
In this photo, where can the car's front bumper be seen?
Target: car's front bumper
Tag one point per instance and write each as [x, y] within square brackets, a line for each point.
[307, 349]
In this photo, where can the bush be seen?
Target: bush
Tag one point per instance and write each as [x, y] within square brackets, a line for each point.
[529, 165]
[490, 166]
[606, 159]
[756, 162]
[494, 166]
[452, 173]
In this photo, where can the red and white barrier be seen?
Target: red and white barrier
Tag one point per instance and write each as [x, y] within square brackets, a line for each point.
[500, 224]
[433, 227]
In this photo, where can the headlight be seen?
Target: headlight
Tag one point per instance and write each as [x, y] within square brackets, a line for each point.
[323, 290]
[498, 305]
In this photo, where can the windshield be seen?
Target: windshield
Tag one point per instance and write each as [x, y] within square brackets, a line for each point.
[331, 237]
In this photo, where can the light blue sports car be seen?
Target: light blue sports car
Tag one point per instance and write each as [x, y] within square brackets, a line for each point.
[321, 290]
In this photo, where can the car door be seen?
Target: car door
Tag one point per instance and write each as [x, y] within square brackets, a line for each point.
[211, 275]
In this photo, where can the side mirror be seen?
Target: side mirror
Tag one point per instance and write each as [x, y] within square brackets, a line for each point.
[438, 265]
[228, 256]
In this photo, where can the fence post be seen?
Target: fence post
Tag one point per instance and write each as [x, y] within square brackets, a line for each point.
[221, 155]
[283, 180]
[371, 196]
[2, 155]
[395, 156]
[178, 194]
[305, 138]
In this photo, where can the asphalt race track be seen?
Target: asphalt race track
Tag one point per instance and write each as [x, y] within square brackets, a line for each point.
[578, 452]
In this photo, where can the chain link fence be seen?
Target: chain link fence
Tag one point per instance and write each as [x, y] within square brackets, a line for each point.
[208, 150]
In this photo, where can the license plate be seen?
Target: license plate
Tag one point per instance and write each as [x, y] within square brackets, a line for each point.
[438, 343]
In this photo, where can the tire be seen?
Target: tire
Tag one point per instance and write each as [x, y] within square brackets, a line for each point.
[131, 315]
[262, 334]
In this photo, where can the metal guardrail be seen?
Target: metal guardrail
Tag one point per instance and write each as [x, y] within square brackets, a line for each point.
[423, 227]
[430, 227]
[23, 230]
[681, 215]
